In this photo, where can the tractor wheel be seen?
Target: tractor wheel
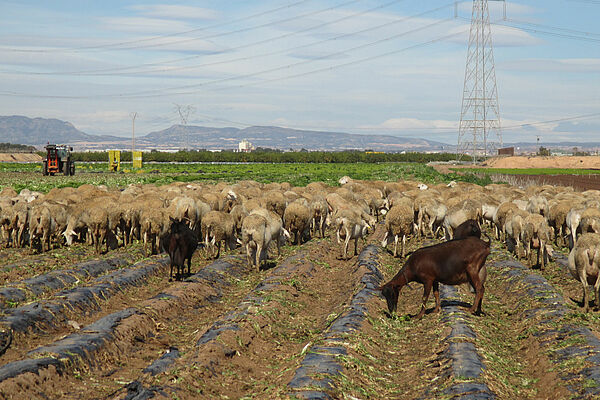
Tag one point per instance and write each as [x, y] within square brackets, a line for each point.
[45, 168]
[72, 167]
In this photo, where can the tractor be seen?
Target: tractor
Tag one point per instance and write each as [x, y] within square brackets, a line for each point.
[58, 160]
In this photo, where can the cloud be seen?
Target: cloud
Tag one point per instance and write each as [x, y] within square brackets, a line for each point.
[502, 36]
[170, 11]
[582, 65]
[145, 24]
[317, 55]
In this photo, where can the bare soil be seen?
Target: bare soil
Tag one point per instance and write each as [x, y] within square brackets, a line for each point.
[20, 157]
[389, 358]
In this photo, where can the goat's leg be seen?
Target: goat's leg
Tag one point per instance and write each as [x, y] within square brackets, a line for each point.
[356, 246]
[426, 290]
[479, 289]
[436, 294]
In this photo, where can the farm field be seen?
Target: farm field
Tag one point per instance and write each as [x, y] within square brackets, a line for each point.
[308, 324]
[20, 176]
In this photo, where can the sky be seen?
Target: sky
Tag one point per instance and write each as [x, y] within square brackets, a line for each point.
[357, 66]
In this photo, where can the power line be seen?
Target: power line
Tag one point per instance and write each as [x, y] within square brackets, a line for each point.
[161, 92]
[108, 45]
[104, 71]
[215, 35]
[553, 27]
[288, 66]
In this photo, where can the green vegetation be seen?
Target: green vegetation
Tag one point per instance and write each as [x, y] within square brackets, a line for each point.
[274, 156]
[20, 176]
[16, 148]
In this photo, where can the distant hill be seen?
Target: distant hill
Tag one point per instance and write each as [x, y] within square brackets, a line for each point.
[38, 131]
[283, 138]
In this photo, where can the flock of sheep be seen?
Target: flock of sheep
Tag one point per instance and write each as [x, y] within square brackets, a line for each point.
[254, 215]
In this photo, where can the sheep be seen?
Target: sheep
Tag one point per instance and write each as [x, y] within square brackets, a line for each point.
[152, 227]
[255, 238]
[238, 212]
[537, 234]
[451, 263]
[218, 226]
[274, 200]
[431, 214]
[398, 224]
[297, 218]
[584, 263]
[537, 205]
[513, 227]
[572, 221]
[590, 220]
[557, 219]
[181, 244]
[275, 230]
[350, 225]
[320, 211]
[502, 212]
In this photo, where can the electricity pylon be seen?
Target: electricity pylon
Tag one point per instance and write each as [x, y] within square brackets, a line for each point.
[479, 131]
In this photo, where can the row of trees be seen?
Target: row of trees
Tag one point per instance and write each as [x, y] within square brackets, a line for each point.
[274, 157]
[16, 148]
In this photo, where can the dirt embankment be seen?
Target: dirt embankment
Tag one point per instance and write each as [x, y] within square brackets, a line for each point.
[583, 162]
[20, 157]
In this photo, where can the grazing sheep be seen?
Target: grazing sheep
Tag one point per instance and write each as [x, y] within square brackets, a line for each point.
[218, 226]
[584, 264]
[537, 234]
[320, 211]
[297, 218]
[557, 219]
[398, 224]
[275, 230]
[255, 238]
[537, 205]
[152, 228]
[590, 220]
[238, 212]
[350, 225]
[181, 244]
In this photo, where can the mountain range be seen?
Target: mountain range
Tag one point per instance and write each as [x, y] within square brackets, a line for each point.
[40, 131]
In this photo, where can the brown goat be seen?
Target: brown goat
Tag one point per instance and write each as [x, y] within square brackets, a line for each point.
[451, 263]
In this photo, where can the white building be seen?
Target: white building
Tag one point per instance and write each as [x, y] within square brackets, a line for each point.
[245, 146]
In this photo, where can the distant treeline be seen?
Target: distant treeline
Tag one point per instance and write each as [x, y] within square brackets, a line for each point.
[275, 157]
[16, 148]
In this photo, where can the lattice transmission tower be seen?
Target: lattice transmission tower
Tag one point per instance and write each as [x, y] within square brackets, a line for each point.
[479, 131]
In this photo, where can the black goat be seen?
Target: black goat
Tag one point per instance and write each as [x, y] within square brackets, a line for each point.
[181, 243]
